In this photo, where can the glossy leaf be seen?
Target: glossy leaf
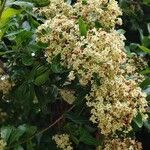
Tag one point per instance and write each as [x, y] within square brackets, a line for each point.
[138, 120]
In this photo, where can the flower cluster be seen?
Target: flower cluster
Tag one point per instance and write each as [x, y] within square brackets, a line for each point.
[56, 7]
[94, 54]
[133, 66]
[104, 12]
[115, 103]
[118, 99]
[2, 144]
[63, 141]
[122, 144]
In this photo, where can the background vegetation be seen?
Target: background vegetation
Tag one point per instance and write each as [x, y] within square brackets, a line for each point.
[34, 108]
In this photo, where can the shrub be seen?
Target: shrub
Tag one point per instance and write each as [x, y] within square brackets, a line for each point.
[67, 79]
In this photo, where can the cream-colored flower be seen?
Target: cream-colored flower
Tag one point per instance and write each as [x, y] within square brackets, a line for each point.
[115, 103]
[63, 141]
[104, 12]
[122, 144]
[56, 7]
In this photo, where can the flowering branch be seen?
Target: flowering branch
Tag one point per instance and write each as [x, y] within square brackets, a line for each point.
[44, 130]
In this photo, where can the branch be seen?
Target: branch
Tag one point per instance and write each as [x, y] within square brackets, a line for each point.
[42, 131]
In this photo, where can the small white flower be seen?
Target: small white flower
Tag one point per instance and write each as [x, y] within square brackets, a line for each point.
[33, 54]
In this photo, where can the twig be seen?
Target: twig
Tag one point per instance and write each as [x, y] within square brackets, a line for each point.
[44, 130]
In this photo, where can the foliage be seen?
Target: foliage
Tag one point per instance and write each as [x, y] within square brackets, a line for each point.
[35, 108]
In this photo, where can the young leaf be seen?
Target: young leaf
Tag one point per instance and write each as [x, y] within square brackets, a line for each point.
[145, 49]
[7, 14]
[82, 27]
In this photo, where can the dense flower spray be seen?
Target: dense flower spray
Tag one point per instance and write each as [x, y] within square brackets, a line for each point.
[96, 50]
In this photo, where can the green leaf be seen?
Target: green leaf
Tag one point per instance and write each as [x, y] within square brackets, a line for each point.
[6, 132]
[87, 138]
[76, 119]
[27, 60]
[84, 2]
[146, 71]
[121, 31]
[7, 14]
[17, 133]
[7, 52]
[56, 66]
[82, 27]
[145, 49]
[145, 83]
[25, 93]
[20, 36]
[18, 147]
[138, 120]
[22, 4]
[30, 145]
[146, 2]
[42, 78]
[31, 130]
[146, 41]
[53, 92]
[40, 70]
